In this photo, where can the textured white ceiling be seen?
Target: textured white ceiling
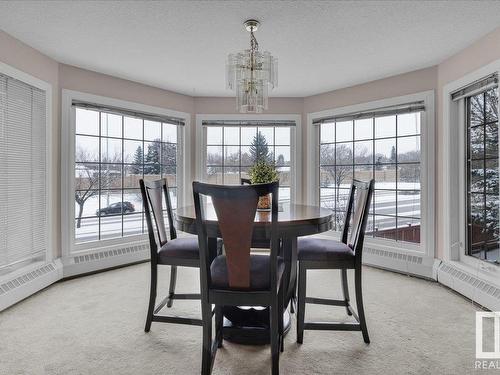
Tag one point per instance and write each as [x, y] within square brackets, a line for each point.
[182, 45]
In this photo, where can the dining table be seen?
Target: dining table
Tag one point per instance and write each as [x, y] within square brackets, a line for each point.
[250, 324]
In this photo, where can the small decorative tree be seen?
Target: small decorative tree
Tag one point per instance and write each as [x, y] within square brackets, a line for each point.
[263, 172]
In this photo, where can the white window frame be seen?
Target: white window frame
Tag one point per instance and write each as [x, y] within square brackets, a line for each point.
[49, 154]
[426, 247]
[69, 248]
[453, 187]
[295, 145]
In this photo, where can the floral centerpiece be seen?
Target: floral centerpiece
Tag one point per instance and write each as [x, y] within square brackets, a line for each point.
[263, 172]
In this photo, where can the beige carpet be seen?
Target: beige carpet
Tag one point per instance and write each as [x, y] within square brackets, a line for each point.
[94, 325]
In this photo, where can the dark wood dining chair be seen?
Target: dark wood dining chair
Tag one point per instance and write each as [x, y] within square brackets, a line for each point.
[317, 253]
[173, 252]
[238, 278]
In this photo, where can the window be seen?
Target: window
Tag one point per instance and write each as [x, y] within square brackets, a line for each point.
[482, 191]
[233, 147]
[23, 167]
[385, 145]
[113, 150]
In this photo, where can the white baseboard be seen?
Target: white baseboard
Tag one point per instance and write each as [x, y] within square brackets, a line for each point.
[470, 284]
[26, 281]
[105, 257]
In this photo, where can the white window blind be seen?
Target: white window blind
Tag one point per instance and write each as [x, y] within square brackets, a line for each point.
[23, 211]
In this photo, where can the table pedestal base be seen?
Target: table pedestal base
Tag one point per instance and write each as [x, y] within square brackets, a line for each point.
[250, 326]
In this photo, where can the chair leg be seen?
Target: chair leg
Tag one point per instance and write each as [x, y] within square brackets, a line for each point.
[345, 290]
[219, 325]
[281, 311]
[206, 359]
[152, 297]
[171, 289]
[275, 342]
[359, 304]
[301, 303]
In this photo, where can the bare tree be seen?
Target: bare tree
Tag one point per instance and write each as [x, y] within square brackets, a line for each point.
[87, 179]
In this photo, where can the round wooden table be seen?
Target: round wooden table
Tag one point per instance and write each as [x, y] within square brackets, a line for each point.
[248, 325]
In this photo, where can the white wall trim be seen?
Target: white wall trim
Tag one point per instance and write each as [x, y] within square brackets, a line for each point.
[427, 247]
[452, 189]
[69, 249]
[296, 144]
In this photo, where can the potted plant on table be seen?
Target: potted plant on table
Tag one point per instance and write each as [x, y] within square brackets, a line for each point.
[263, 172]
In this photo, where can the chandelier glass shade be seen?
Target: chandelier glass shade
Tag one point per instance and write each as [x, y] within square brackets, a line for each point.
[251, 73]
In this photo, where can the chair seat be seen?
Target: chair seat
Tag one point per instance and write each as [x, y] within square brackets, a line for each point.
[259, 272]
[183, 248]
[319, 249]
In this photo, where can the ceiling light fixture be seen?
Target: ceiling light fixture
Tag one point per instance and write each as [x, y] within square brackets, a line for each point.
[251, 73]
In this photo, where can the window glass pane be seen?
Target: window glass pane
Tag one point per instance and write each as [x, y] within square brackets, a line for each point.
[385, 202]
[363, 129]
[111, 203]
[214, 155]
[247, 135]
[132, 225]
[169, 154]
[266, 136]
[90, 206]
[247, 155]
[231, 155]
[409, 149]
[133, 200]
[111, 176]
[363, 172]
[342, 200]
[282, 155]
[111, 150]
[409, 124]
[111, 227]
[282, 136]
[86, 149]
[87, 121]
[385, 126]
[491, 140]
[363, 152]
[284, 176]
[214, 175]
[344, 131]
[327, 131]
[327, 176]
[132, 175]
[385, 176]
[214, 135]
[132, 128]
[409, 230]
[327, 197]
[232, 176]
[343, 176]
[133, 152]
[327, 154]
[169, 133]
[87, 177]
[409, 176]
[385, 227]
[409, 203]
[385, 151]
[476, 142]
[231, 135]
[152, 130]
[87, 229]
[111, 125]
[491, 182]
[491, 105]
[344, 153]
[476, 110]
[170, 173]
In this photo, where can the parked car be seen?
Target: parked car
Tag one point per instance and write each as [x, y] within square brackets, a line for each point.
[116, 209]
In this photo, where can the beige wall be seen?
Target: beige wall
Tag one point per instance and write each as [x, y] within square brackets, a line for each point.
[61, 76]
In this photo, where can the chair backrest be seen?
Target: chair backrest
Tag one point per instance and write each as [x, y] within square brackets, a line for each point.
[235, 208]
[153, 193]
[245, 181]
[360, 197]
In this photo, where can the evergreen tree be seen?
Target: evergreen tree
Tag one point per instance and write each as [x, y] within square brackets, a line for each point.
[152, 159]
[393, 154]
[259, 149]
[138, 155]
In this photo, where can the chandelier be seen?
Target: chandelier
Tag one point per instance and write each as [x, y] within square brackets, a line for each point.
[250, 73]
